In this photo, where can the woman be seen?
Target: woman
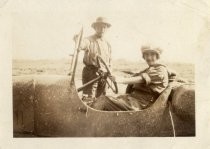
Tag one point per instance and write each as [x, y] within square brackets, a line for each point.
[145, 87]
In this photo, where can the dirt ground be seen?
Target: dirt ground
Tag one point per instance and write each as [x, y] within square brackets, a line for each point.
[62, 67]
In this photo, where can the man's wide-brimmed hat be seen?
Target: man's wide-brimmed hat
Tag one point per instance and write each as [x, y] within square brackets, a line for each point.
[149, 48]
[101, 20]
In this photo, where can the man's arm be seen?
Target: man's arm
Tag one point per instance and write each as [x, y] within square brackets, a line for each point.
[84, 43]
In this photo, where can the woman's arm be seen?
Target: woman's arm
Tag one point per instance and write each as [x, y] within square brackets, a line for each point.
[131, 80]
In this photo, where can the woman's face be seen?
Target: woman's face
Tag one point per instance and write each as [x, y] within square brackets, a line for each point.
[151, 58]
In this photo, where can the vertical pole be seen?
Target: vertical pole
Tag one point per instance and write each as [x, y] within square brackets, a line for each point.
[76, 55]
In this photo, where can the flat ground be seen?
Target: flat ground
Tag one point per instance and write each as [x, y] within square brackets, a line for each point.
[62, 67]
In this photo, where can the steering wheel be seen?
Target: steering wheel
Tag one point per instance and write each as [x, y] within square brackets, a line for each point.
[104, 75]
[115, 89]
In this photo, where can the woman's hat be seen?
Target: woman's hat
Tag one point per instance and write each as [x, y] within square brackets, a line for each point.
[101, 20]
[149, 48]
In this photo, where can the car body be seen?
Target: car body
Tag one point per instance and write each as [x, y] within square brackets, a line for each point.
[49, 106]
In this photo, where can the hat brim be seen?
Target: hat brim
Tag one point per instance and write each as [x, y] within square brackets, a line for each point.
[98, 23]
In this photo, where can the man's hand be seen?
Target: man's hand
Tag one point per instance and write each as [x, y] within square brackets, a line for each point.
[76, 38]
[102, 73]
[112, 78]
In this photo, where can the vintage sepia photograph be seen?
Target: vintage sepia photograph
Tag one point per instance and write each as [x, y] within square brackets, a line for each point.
[112, 69]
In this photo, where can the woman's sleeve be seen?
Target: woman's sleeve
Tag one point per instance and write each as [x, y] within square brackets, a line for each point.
[156, 75]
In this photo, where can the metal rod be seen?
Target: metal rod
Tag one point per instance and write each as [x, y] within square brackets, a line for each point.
[89, 83]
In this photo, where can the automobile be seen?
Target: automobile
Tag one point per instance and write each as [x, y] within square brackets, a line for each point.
[50, 106]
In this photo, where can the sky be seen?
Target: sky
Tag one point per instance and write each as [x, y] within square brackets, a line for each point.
[44, 29]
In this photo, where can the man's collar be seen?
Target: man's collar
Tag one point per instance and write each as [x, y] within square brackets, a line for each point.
[97, 37]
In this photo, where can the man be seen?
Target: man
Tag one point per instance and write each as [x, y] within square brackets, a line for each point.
[93, 46]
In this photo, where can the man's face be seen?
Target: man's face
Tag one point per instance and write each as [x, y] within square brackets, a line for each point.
[151, 58]
[100, 29]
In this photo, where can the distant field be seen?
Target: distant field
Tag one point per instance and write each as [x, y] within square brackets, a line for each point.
[61, 67]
